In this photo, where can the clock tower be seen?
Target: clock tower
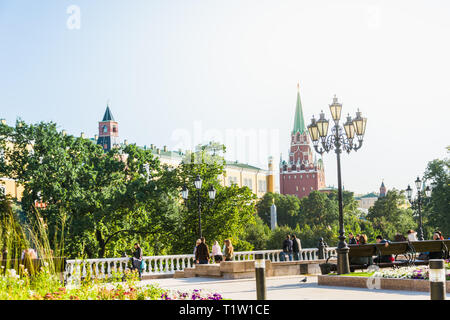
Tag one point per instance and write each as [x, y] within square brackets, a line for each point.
[108, 131]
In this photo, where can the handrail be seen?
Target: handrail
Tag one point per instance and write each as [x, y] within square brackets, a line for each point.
[168, 264]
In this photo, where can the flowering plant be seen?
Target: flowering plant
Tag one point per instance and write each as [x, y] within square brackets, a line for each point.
[419, 273]
[196, 294]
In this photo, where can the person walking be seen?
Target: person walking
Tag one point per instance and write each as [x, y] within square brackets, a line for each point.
[228, 251]
[202, 253]
[296, 247]
[136, 260]
[216, 252]
[287, 248]
[195, 248]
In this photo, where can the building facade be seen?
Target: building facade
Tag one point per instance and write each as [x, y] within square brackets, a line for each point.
[302, 173]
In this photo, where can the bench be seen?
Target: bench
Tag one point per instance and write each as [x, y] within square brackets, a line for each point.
[406, 249]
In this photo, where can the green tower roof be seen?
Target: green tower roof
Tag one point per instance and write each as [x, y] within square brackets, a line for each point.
[108, 115]
[299, 121]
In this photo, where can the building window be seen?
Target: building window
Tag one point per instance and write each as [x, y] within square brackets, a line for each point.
[295, 177]
[105, 129]
[301, 176]
[296, 188]
[303, 188]
[307, 176]
[314, 176]
[262, 186]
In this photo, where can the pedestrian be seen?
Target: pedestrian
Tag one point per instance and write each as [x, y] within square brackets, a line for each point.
[287, 248]
[385, 258]
[412, 235]
[351, 239]
[296, 247]
[216, 252]
[357, 238]
[228, 251]
[202, 252]
[136, 260]
[195, 248]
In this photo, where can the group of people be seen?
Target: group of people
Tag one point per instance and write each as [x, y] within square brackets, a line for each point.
[291, 248]
[203, 255]
[361, 239]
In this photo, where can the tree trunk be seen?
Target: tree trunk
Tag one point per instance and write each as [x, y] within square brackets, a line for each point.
[101, 244]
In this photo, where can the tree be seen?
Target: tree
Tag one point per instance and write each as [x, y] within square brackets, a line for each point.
[227, 217]
[106, 199]
[437, 209]
[388, 217]
[288, 208]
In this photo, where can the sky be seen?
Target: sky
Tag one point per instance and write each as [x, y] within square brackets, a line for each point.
[183, 72]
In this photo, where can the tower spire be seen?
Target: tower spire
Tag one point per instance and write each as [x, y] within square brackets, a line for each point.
[108, 114]
[299, 122]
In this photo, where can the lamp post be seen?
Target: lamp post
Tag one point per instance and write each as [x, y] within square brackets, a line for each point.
[337, 141]
[418, 202]
[198, 185]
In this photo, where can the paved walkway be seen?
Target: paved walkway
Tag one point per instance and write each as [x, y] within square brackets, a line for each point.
[286, 288]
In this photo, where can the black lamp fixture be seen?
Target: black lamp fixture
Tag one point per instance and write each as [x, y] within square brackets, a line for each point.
[339, 139]
[198, 182]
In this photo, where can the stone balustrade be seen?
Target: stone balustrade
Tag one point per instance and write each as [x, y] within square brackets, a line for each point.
[167, 265]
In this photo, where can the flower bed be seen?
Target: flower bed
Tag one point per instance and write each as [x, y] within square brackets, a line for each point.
[418, 273]
[46, 286]
[405, 278]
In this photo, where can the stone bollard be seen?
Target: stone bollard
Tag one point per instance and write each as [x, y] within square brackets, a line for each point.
[437, 279]
[260, 274]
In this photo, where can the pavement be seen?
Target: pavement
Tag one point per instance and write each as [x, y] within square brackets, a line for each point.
[285, 288]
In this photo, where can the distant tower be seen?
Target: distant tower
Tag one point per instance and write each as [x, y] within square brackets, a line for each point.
[270, 177]
[382, 190]
[273, 216]
[108, 131]
[302, 173]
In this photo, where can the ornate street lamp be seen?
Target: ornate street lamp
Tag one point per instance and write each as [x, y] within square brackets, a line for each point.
[211, 194]
[419, 201]
[338, 141]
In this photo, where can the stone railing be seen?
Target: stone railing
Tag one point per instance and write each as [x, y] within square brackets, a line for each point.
[160, 265]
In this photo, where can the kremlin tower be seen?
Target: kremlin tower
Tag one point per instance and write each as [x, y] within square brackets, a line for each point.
[301, 173]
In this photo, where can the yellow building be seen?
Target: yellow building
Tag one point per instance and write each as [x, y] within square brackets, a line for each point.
[260, 181]
[8, 186]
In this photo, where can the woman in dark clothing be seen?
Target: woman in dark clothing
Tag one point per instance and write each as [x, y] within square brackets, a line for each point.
[137, 259]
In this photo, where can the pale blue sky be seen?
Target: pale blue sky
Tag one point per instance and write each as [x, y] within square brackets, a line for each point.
[170, 67]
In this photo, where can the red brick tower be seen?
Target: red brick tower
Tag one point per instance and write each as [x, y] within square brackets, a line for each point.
[301, 174]
[108, 131]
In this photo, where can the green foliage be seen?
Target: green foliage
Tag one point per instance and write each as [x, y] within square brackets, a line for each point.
[225, 217]
[388, 217]
[436, 210]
